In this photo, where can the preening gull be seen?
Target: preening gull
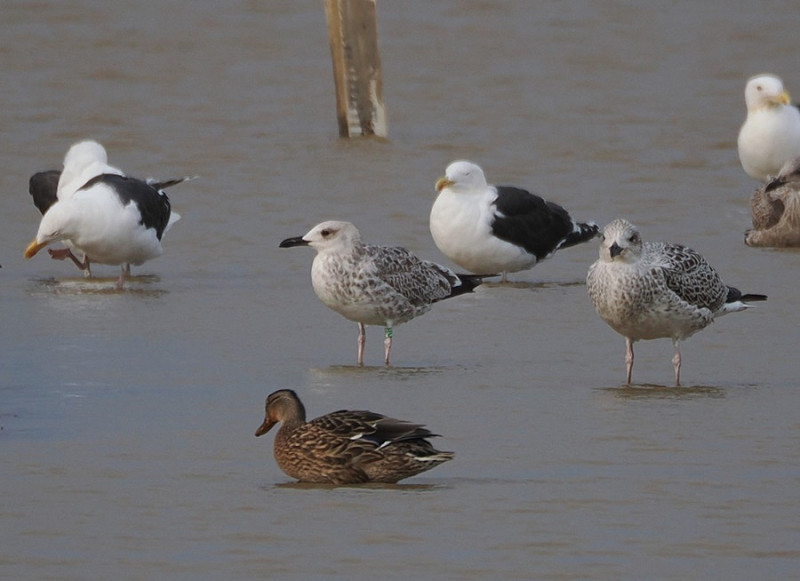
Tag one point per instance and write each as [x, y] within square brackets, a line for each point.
[346, 447]
[486, 228]
[43, 187]
[770, 135]
[650, 290]
[775, 208]
[99, 212]
[375, 285]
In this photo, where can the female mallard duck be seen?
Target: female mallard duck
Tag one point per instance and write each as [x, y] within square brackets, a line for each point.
[346, 447]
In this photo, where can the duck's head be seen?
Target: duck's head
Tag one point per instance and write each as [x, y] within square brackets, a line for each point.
[281, 406]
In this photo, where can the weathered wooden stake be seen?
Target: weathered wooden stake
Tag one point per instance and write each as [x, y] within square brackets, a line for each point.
[353, 33]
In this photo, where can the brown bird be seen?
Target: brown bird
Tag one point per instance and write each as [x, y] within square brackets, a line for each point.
[775, 208]
[346, 447]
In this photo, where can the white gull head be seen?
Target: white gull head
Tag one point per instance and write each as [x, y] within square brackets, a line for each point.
[462, 176]
[332, 236]
[765, 91]
[620, 242]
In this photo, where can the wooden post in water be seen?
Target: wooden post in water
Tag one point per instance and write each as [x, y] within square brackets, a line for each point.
[353, 33]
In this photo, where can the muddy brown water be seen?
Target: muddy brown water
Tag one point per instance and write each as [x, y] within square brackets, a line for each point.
[127, 419]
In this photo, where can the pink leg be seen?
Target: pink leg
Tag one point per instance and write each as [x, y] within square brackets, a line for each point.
[628, 360]
[676, 362]
[125, 269]
[387, 343]
[362, 340]
[62, 253]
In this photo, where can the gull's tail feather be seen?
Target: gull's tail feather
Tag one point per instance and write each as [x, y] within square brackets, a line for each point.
[738, 301]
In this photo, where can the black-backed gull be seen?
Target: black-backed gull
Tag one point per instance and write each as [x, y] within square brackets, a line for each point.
[485, 228]
[100, 212]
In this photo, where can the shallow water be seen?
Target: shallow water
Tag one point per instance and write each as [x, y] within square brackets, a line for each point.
[127, 418]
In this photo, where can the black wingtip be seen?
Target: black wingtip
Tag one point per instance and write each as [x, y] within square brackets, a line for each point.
[164, 184]
[752, 298]
[734, 294]
[469, 282]
[583, 232]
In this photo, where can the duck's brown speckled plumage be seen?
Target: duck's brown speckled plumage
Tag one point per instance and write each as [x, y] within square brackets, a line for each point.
[346, 446]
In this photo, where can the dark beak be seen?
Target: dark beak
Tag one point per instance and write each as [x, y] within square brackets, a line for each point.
[296, 241]
[615, 250]
[265, 427]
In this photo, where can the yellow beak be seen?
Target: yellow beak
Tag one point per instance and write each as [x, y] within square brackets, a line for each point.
[785, 99]
[443, 183]
[33, 248]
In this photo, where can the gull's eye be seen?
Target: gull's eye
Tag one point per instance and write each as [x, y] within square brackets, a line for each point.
[326, 233]
[759, 88]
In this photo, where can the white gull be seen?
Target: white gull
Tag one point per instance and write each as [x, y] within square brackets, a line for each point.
[770, 135]
[485, 228]
[98, 211]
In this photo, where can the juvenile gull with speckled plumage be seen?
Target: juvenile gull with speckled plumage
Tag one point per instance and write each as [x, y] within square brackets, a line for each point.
[375, 285]
[775, 208]
[650, 290]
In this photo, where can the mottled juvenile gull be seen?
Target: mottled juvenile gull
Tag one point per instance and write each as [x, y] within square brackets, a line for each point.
[650, 290]
[99, 212]
[346, 447]
[770, 135]
[375, 285]
[775, 208]
[486, 228]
